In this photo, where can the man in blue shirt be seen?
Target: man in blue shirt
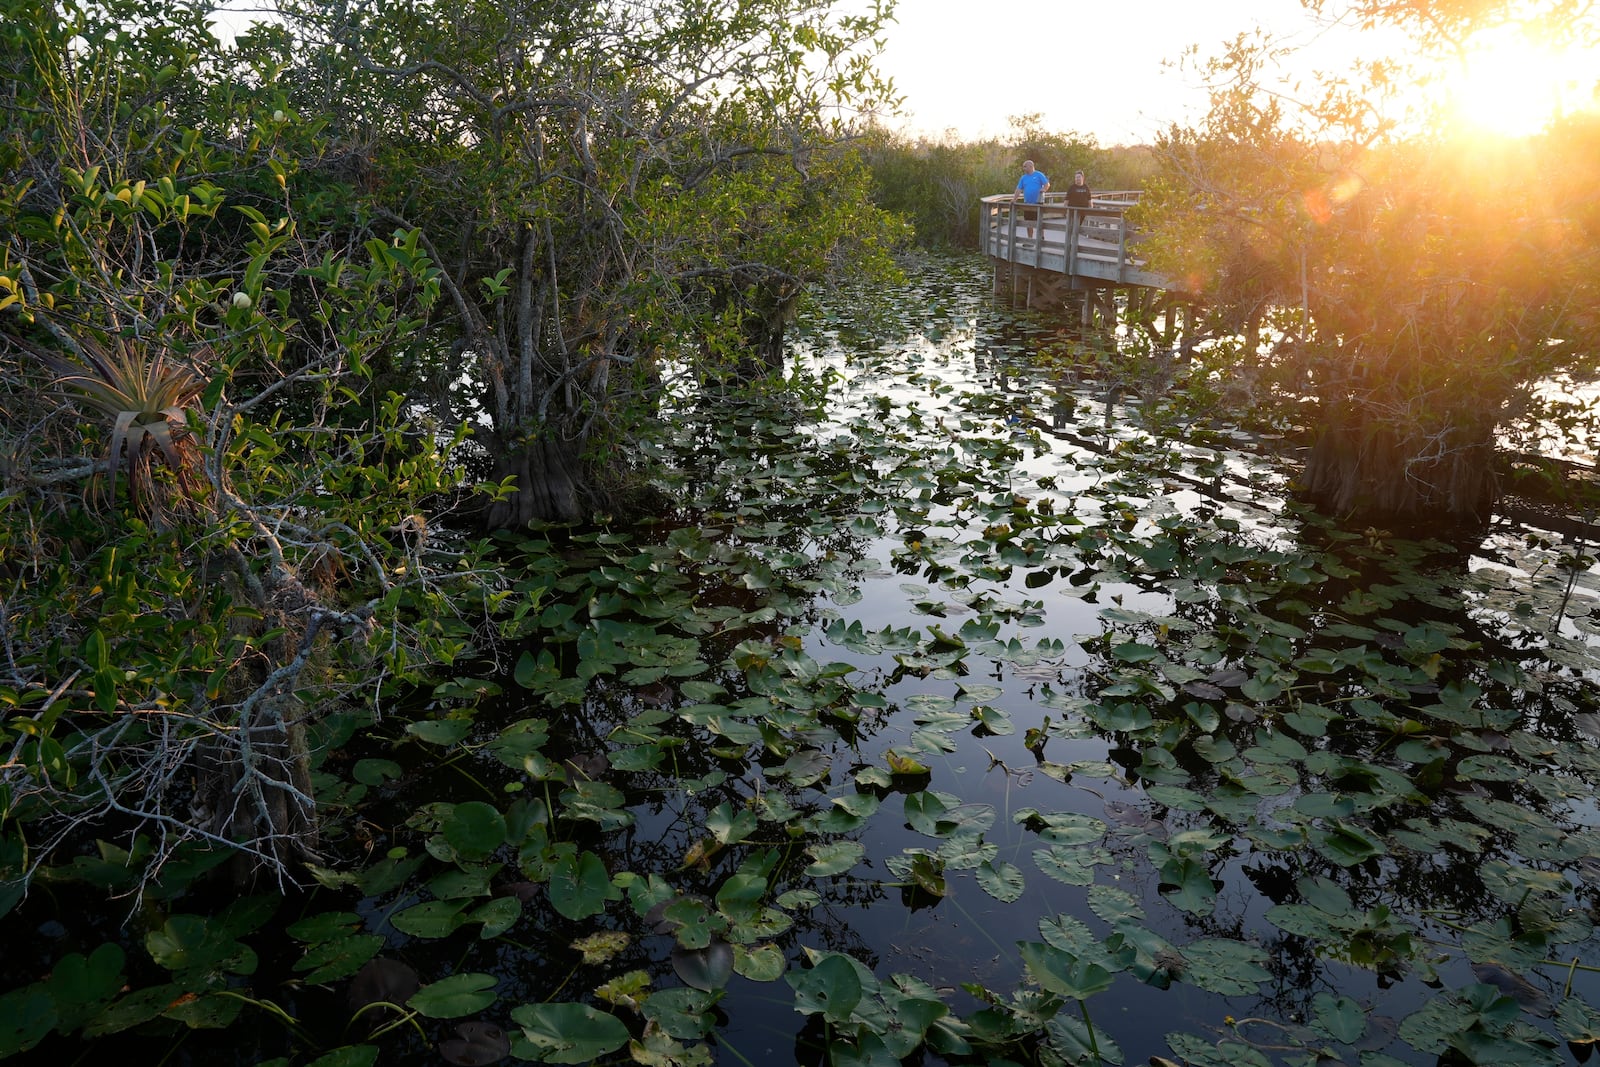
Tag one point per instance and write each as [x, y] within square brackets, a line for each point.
[1031, 187]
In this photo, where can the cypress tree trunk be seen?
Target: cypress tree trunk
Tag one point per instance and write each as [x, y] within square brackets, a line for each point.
[548, 477]
[765, 320]
[1361, 465]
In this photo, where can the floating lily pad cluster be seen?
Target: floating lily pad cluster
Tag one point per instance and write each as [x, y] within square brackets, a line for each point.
[966, 651]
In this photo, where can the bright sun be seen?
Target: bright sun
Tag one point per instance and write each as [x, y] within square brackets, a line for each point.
[1512, 86]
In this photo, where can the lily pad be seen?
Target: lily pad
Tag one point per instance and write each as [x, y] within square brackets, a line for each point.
[382, 981]
[565, 1032]
[707, 968]
[455, 996]
[476, 1044]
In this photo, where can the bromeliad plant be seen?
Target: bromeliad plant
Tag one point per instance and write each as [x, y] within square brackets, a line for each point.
[147, 393]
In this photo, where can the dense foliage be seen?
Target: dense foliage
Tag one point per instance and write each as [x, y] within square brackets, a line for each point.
[605, 185]
[269, 304]
[1420, 288]
[212, 508]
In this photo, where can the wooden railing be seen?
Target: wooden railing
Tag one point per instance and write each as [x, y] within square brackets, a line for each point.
[1095, 242]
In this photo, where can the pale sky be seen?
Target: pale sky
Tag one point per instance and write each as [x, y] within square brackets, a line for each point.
[1094, 68]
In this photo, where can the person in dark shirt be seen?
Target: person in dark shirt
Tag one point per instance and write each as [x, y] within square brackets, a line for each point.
[1079, 196]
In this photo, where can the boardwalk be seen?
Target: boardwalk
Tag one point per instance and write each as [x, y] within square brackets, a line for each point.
[1088, 252]
[1090, 243]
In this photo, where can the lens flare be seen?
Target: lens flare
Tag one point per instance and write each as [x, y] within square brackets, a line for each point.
[1511, 85]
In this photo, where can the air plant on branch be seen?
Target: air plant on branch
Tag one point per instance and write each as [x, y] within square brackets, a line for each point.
[146, 394]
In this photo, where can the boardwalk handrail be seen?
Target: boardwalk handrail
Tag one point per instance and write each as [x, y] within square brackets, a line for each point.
[1116, 198]
[1090, 245]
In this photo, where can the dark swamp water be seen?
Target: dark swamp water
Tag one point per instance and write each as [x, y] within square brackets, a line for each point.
[957, 714]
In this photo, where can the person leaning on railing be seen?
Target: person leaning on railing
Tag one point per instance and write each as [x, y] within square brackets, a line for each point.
[1031, 187]
[1079, 196]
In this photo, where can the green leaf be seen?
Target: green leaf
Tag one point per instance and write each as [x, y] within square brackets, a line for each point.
[80, 987]
[1577, 1022]
[436, 918]
[456, 883]
[831, 988]
[1062, 973]
[206, 1012]
[338, 958]
[1231, 968]
[684, 1014]
[375, 772]
[806, 767]
[442, 732]
[1001, 881]
[762, 963]
[1114, 905]
[567, 1033]
[739, 896]
[1339, 1017]
[859, 805]
[1072, 1037]
[1074, 866]
[834, 857]
[1345, 843]
[526, 674]
[497, 916]
[195, 943]
[455, 996]
[598, 802]
[27, 1015]
[325, 926]
[474, 829]
[927, 812]
[1188, 885]
[729, 827]
[580, 886]
[1062, 828]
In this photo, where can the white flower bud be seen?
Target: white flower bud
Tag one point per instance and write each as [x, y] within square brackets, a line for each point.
[241, 300]
[278, 115]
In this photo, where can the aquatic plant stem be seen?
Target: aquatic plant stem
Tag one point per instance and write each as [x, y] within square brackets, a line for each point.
[455, 765]
[735, 1053]
[1088, 1024]
[405, 1017]
[273, 1008]
[1572, 580]
[561, 986]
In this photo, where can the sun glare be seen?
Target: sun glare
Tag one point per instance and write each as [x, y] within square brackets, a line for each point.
[1511, 86]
